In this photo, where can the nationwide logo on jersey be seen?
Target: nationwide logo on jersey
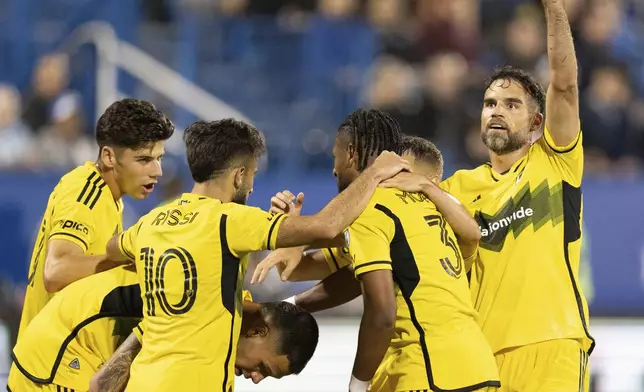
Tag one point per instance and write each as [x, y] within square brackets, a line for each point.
[75, 364]
[536, 207]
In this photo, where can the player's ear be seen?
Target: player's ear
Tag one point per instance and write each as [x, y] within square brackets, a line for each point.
[352, 155]
[537, 123]
[107, 156]
[257, 332]
[238, 177]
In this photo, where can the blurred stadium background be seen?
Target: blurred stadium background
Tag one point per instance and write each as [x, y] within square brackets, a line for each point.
[295, 68]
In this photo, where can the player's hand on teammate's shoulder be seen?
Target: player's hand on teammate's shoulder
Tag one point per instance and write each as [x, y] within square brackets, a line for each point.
[405, 181]
[387, 165]
[287, 203]
[289, 257]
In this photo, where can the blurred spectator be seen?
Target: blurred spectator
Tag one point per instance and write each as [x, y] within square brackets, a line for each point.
[449, 25]
[606, 118]
[62, 143]
[525, 39]
[50, 94]
[15, 136]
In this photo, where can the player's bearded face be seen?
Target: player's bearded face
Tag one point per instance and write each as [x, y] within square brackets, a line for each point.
[506, 118]
[344, 168]
[136, 171]
[244, 187]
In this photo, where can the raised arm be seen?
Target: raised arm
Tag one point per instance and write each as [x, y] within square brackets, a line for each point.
[562, 99]
[336, 216]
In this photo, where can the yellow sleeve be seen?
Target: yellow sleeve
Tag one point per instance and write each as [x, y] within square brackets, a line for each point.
[127, 240]
[337, 258]
[368, 240]
[247, 296]
[250, 229]
[72, 221]
[567, 160]
[138, 332]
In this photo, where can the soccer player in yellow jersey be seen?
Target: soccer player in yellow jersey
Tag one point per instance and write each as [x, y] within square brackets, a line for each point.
[81, 327]
[85, 209]
[528, 203]
[426, 160]
[419, 330]
[191, 257]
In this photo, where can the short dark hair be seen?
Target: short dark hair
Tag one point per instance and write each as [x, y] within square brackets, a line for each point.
[372, 132]
[212, 146]
[527, 81]
[298, 332]
[423, 150]
[132, 123]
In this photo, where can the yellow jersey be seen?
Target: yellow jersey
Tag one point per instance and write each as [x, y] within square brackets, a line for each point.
[337, 258]
[81, 209]
[525, 282]
[79, 329]
[191, 258]
[436, 343]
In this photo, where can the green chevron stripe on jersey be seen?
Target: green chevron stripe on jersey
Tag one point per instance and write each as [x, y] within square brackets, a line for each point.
[527, 207]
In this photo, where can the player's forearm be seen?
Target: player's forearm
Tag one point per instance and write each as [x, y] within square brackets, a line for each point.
[114, 374]
[114, 252]
[336, 216]
[561, 49]
[335, 290]
[373, 340]
[63, 270]
[458, 217]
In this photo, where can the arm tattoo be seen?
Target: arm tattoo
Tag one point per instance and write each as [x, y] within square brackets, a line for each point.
[113, 376]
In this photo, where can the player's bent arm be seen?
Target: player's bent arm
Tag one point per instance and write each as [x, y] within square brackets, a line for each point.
[562, 98]
[114, 374]
[115, 252]
[66, 263]
[336, 289]
[336, 216]
[377, 322]
[458, 217]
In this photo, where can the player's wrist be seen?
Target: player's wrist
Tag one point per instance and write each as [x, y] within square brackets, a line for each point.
[356, 385]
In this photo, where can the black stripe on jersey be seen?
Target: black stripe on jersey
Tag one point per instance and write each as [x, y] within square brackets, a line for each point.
[335, 262]
[98, 195]
[407, 277]
[73, 236]
[581, 370]
[571, 198]
[127, 253]
[139, 329]
[87, 183]
[122, 301]
[357, 268]
[270, 231]
[555, 149]
[229, 275]
[8, 389]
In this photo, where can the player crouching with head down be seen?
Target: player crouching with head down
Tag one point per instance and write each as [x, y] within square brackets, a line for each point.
[277, 339]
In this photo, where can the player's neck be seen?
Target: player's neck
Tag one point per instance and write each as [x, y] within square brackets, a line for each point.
[503, 163]
[215, 190]
[110, 180]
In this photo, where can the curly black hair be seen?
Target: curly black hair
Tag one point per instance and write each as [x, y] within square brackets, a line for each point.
[526, 80]
[372, 132]
[132, 123]
[298, 332]
[212, 146]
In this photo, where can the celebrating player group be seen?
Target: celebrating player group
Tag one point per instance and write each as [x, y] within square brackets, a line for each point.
[468, 283]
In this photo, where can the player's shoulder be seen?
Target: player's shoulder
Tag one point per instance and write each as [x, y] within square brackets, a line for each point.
[458, 182]
[83, 185]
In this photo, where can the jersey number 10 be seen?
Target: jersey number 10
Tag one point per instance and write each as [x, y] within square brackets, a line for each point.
[438, 220]
[155, 286]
